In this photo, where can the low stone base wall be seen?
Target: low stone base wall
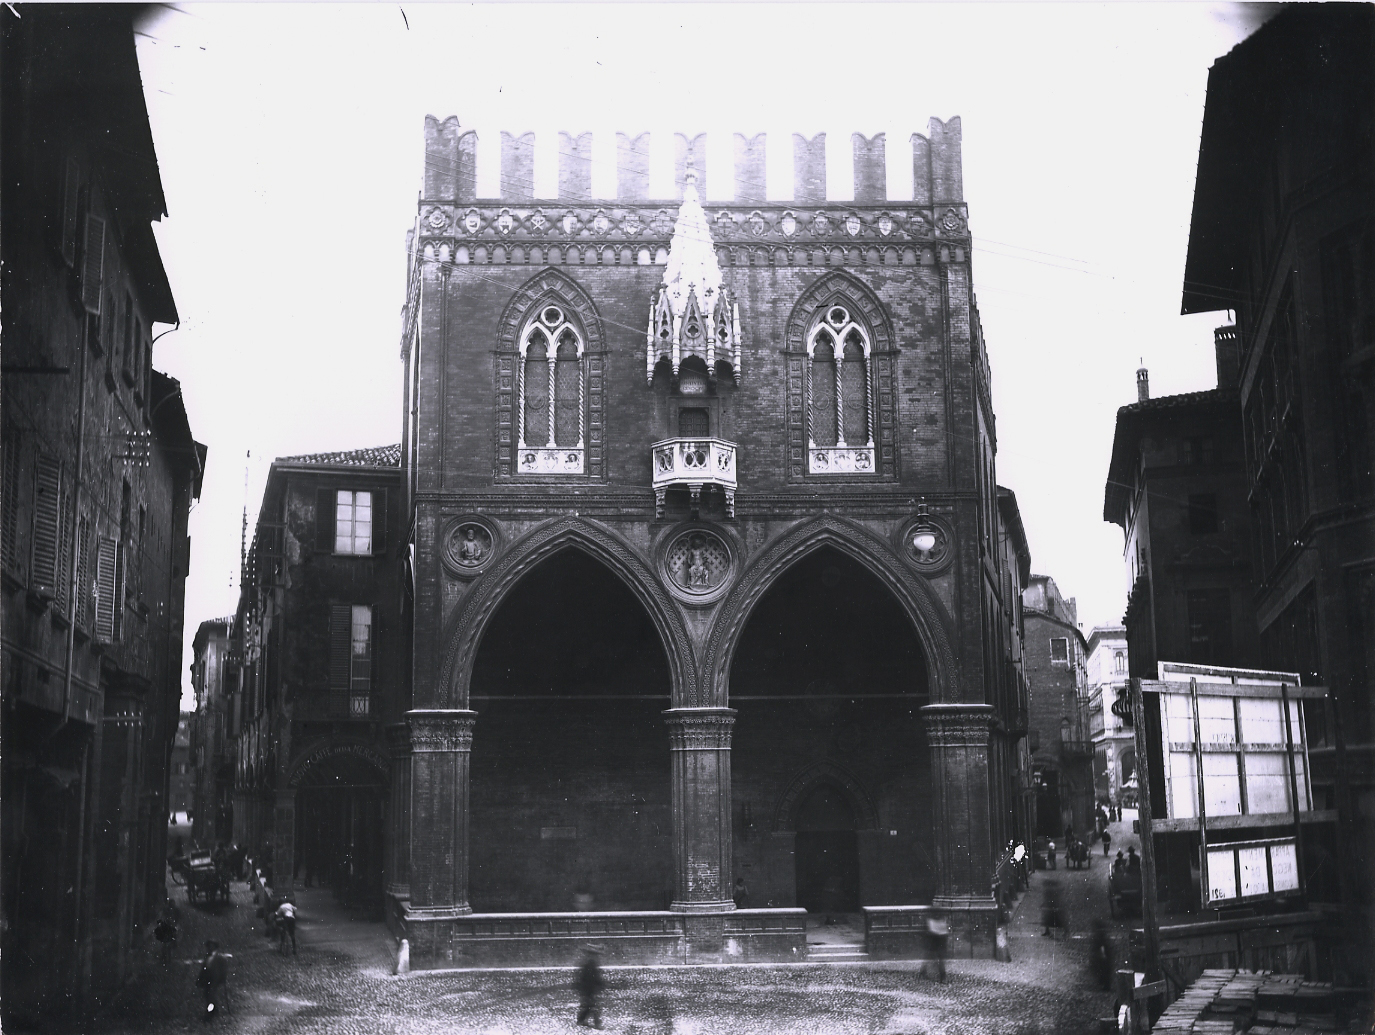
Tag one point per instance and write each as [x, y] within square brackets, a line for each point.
[561, 939]
[899, 932]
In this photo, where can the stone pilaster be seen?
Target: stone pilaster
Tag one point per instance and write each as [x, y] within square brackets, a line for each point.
[700, 746]
[959, 735]
[398, 859]
[441, 742]
[284, 841]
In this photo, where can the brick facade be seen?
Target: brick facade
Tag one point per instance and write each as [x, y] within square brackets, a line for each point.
[722, 612]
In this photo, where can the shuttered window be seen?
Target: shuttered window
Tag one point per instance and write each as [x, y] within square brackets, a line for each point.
[93, 264]
[83, 572]
[46, 516]
[360, 653]
[62, 590]
[71, 198]
[121, 578]
[340, 637]
[105, 583]
[353, 522]
[9, 500]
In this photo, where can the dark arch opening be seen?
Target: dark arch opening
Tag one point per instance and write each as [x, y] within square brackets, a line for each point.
[830, 670]
[569, 802]
[339, 830]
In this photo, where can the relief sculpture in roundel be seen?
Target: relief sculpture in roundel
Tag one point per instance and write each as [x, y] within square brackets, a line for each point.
[469, 546]
[698, 562]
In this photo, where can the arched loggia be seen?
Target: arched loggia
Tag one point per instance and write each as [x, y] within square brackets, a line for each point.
[569, 793]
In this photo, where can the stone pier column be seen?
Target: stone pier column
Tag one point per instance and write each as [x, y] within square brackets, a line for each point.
[959, 735]
[441, 742]
[700, 743]
[284, 841]
[398, 858]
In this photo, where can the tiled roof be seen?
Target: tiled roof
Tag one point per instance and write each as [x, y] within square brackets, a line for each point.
[377, 456]
[1168, 402]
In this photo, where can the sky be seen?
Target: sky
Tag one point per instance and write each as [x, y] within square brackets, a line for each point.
[290, 142]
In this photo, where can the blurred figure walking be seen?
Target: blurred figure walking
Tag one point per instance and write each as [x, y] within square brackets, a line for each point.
[213, 979]
[590, 983]
[1101, 962]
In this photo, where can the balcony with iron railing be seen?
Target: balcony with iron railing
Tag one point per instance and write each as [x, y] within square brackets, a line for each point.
[694, 463]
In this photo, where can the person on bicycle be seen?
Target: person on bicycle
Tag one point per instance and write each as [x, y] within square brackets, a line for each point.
[286, 924]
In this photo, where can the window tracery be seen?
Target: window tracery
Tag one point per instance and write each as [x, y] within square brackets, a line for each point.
[550, 395]
[840, 424]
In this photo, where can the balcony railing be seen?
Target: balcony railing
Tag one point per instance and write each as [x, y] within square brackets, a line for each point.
[1076, 748]
[694, 463]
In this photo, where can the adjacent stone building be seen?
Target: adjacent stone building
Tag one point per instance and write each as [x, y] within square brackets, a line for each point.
[1283, 234]
[701, 496]
[1061, 752]
[1114, 743]
[211, 749]
[99, 471]
[318, 666]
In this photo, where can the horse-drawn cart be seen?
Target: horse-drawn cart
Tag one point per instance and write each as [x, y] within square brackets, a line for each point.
[205, 881]
[1124, 892]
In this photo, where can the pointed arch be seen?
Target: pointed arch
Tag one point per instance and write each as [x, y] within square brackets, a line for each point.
[929, 617]
[813, 776]
[551, 287]
[464, 631]
[865, 418]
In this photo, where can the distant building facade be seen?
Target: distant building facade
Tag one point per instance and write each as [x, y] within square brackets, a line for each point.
[1114, 743]
[99, 471]
[1015, 569]
[317, 675]
[182, 775]
[1061, 752]
[705, 522]
[1283, 233]
[212, 759]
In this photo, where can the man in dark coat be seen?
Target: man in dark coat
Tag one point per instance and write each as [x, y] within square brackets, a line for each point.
[590, 983]
[214, 979]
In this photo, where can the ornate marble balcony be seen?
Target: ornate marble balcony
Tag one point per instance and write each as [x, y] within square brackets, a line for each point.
[694, 462]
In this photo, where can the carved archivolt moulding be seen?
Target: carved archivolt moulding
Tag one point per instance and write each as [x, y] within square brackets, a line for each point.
[700, 729]
[468, 545]
[449, 729]
[958, 725]
[696, 563]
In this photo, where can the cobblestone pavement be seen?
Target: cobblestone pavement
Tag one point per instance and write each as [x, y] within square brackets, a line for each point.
[341, 983]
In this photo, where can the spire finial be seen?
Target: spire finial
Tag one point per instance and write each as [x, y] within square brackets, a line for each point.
[690, 173]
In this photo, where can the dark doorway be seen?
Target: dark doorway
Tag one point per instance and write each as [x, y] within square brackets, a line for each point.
[569, 793]
[339, 833]
[827, 852]
[1049, 822]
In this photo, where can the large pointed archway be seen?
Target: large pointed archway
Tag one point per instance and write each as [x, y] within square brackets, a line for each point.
[829, 756]
[569, 799]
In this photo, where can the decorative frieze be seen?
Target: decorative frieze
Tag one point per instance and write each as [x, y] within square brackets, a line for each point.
[448, 729]
[699, 729]
[958, 725]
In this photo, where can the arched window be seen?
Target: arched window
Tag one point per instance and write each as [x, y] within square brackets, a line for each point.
[550, 395]
[840, 423]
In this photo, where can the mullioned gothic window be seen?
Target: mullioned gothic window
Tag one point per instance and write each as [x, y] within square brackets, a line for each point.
[840, 424]
[550, 395]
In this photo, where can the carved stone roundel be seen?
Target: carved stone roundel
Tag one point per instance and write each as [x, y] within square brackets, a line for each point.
[928, 544]
[698, 563]
[468, 547]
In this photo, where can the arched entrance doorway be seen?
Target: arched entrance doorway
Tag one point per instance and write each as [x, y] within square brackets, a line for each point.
[826, 852]
[829, 767]
[340, 788]
[569, 799]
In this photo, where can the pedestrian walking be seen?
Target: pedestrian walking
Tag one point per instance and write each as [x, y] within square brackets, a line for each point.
[1052, 915]
[1133, 860]
[165, 931]
[286, 925]
[741, 894]
[1107, 842]
[590, 983]
[1101, 955]
[213, 979]
[1119, 865]
[937, 937]
[1050, 855]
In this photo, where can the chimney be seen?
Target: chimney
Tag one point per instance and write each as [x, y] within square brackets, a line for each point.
[1143, 384]
[1226, 346]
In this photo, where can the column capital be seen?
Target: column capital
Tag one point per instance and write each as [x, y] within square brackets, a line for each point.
[950, 725]
[441, 729]
[699, 729]
[398, 736]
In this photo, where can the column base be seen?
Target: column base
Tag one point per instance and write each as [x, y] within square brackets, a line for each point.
[973, 924]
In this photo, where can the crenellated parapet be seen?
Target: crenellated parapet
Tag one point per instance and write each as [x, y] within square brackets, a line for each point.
[462, 165]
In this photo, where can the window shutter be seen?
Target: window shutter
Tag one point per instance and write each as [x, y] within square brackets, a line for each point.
[105, 591]
[379, 521]
[61, 588]
[9, 500]
[83, 572]
[93, 264]
[46, 515]
[71, 195]
[121, 576]
[340, 633]
[324, 520]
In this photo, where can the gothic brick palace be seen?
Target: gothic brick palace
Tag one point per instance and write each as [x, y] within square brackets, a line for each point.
[712, 625]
